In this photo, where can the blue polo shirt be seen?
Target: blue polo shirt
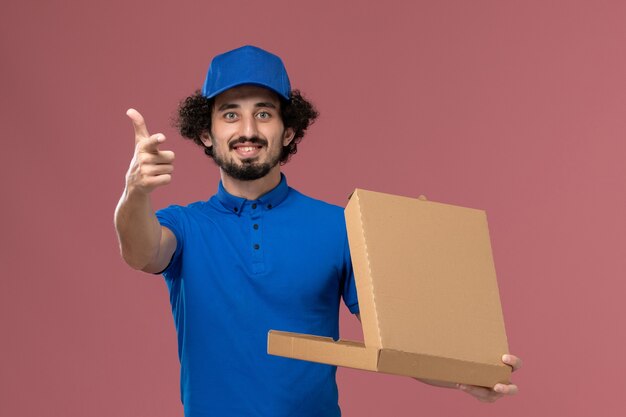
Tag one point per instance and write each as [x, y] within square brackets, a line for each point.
[242, 267]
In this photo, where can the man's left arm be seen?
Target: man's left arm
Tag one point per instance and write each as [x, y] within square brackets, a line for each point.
[483, 394]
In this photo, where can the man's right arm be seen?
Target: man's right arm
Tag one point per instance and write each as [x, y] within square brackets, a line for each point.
[144, 243]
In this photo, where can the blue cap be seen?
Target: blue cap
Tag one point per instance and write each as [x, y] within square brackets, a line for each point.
[246, 65]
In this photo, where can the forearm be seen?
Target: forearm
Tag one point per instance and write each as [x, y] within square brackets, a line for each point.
[138, 229]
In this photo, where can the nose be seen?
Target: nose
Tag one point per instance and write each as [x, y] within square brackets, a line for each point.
[249, 127]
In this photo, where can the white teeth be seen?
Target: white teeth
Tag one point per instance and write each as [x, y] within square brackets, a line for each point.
[247, 148]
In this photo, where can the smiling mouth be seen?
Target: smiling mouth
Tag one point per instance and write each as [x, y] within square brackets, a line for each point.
[247, 150]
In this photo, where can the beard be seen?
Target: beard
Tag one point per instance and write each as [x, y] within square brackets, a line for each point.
[249, 170]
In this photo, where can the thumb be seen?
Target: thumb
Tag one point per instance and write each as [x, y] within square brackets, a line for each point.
[139, 124]
[152, 143]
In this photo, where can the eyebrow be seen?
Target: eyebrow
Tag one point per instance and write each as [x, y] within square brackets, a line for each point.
[227, 106]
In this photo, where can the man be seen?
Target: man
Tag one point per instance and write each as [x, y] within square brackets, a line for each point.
[255, 256]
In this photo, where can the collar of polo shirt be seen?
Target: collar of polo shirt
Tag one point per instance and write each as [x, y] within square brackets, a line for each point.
[267, 201]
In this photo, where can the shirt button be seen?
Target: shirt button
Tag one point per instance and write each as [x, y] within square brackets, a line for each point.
[256, 226]
[269, 206]
[236, 209]
[254, 206]
[256, 246]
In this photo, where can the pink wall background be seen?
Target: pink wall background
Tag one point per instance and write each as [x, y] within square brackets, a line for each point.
[516, 107]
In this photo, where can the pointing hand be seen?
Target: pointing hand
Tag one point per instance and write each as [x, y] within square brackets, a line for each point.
[150, 167]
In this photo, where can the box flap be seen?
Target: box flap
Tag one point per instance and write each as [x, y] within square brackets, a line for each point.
[425, 278]
[322, 349]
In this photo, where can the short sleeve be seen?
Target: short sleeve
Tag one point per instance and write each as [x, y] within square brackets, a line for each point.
[171, 217]
[349, 286]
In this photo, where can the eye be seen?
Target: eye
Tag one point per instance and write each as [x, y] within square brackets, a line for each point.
[230, 115]
[263, 115]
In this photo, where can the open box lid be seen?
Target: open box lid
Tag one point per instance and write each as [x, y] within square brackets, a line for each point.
[428, 294]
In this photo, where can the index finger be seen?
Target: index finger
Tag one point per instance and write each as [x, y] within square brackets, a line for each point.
[139, 124]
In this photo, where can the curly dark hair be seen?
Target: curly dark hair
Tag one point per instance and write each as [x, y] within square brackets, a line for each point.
[194, 118]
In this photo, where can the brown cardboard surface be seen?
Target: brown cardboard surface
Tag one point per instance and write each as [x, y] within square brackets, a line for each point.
[428, 294]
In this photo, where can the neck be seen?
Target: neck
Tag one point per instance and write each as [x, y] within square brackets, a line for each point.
[251, 190]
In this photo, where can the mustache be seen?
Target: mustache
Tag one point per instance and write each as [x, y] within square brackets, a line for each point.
[253, 140]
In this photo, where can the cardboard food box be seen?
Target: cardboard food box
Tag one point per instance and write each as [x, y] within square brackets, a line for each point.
[428, 295]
